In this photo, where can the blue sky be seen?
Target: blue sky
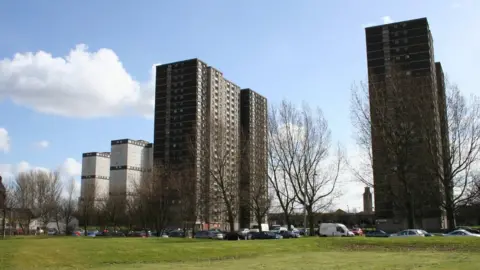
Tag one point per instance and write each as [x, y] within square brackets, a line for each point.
[54, 110]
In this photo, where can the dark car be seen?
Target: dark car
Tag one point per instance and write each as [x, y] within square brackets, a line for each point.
[264, 235]
[377, 233]
[288, 234]
[231, 236]
[110, 234]
[176, 234]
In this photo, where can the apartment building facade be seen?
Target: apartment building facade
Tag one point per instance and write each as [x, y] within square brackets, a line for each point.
[95, 177]
[254, 167]
[129, 160]
[402, 72]
[197, 128]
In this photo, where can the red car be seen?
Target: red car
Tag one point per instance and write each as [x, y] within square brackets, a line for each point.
[357, 231]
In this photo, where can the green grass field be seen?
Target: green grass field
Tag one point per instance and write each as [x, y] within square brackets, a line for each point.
[307, 253]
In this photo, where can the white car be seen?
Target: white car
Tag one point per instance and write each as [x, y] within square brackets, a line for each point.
[409, 233]
[462, 233]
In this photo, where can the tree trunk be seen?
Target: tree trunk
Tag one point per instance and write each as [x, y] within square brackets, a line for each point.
[311, 218]
[450, 208]
[410, 213]
[288, 221]
[231, 221]
[259, 221]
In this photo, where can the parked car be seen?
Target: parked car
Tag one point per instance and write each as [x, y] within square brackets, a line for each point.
[78, 233]
[244, 232]
[462, 233]
[427, 234]
[231, 236]
[408, 233]
[53, 232]
[140, 233]
[376, 233]
[288, 234]
[468, 229]
[265, 235]
[110, 234]
[92, 233]
[357, 231]
[176, 234]
[209, 235]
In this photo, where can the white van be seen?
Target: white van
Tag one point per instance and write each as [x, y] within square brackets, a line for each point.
[334, 229]
[255, 228]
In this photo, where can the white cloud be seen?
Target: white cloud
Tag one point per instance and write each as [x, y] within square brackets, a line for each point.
[365, 25]
[42, 144]
[387, 19]
[70, 168]
[4, 140]
[82, 84]
[8, 171]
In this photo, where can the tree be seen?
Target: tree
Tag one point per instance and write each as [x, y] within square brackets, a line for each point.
[113, 209]
[88, 203]
[361, 121]
[302, 143]
[224, 176]
[277, 178]
[403, 121]
[461, 147]
[151, 196]
[67, 206]
[48, 188]
[24, 196]
[183, 189]
[259, 199]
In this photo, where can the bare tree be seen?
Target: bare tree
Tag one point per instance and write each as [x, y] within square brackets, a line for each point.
[88, 204]
[302, 143]
[474, 191]
[223, 172]
[113, 209]
[152, 198]
[184, 191]
[361, 121]
[48, 191]
[24, 194]
[258, 199]
[403, 121]
[460, 138]
[277, 178]
[67, 206]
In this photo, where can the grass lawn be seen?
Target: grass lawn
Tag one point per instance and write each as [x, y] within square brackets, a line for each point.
[307, 253]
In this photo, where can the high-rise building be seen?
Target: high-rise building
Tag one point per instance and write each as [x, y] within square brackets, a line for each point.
[367, 201]
[95, 176]
[128, 161]
[253, 172]
[401, 67]
[197, 127]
